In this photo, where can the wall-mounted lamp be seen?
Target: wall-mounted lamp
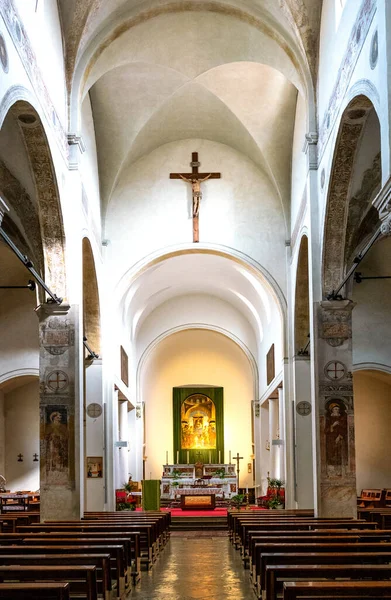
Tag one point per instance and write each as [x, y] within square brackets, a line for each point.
[35, 459]
[20, 457]
[267, 445]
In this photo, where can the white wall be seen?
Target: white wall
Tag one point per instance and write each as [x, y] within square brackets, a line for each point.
[149, 211]
[197, 357]
[372, 399]
[21, 411]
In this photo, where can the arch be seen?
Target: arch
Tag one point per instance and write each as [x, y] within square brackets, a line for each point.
[24, 375]
[340, 226]
[302, 306]
[169, 332]
[91, 305]
[50, 216]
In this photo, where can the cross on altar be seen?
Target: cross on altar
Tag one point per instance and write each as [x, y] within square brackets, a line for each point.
[195, 179]
[199, 456]
[237, 458]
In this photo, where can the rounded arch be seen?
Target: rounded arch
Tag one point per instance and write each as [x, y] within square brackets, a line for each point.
[344, 224]
[91, 304]
[18, 103]
[21, 376]
[302, 307]
[189, 326]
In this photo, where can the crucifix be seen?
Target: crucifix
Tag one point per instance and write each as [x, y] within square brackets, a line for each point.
[237, 458]
[195, 179]
[199, 456]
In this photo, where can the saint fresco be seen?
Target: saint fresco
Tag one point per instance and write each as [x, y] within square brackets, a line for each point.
[198, 423]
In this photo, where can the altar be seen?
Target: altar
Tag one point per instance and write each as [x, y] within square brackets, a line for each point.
[192, 480]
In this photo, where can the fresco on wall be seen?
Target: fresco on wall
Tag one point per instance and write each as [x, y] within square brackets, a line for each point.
[56, 438]
[336, 437]
[198, 423]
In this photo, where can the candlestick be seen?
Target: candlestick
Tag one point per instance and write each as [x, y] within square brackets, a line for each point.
[230, 457]
[210, 457]
[246, 490]
[177, 457]
[219, 457]
[187, 457]
[166, 457]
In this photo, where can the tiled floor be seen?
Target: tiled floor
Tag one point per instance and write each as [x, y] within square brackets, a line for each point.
[196, 569]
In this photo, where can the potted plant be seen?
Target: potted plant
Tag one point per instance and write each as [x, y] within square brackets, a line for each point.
[275, 493]
[220, 473]
[237, 500]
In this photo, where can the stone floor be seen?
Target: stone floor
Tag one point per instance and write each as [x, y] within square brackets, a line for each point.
[194, 569]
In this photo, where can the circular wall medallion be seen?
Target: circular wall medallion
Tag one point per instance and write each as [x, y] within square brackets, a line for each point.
[374, 51]
[303, 408]
[57, 381]
[335, 370]
[3, 54]
[322, 178]
[94, 410]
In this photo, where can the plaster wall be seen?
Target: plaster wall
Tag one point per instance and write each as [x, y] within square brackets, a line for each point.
[19, 327]
[299, 161]
[196, 309]
[43, 28]
[2, 435]
[88, 164]
[273, 334]
[240, 210]
[372, 399]
[21, 411]
[197, 357]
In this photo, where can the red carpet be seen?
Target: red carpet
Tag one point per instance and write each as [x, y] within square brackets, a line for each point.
[177, 512]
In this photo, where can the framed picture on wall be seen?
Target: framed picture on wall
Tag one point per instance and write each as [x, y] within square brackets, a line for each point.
[124, 367]
[270, 369]
[94, 467]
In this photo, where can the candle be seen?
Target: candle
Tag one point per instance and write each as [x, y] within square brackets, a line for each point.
[246, 490]
[219, 457]
[210, 456]
[177, 457]
[230, 457]
[187, 457]
[166, 457]
[150, 475]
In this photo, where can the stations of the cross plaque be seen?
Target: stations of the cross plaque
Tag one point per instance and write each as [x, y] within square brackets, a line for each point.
[195, 179]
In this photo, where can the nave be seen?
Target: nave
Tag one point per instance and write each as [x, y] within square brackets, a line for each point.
[194, 566]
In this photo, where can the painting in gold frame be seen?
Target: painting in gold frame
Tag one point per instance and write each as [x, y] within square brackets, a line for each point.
[198, 423]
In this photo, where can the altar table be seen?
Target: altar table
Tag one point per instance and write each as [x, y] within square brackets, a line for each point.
[198, 501]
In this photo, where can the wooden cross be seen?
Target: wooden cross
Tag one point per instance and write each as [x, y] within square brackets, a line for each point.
[199, 456]
[35, 457]
[237, 458]
[195, 179]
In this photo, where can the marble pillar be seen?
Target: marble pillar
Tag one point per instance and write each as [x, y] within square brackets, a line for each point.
[60, 431]
[273, 428]
[123, 436]
[336, 463]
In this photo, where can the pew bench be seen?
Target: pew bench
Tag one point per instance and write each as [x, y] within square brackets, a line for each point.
[116, 552]
[277, 574]
[81, 578]
[34, 591]
[340, 589]
[318, 558]
[101, 561]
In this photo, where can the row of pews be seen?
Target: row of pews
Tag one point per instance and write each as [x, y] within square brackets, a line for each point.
[291, 554]
[98, 557]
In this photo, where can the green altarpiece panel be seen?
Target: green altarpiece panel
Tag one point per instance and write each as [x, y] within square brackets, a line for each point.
[198, 424]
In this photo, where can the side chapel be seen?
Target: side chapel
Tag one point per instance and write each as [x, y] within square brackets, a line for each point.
[195, 224]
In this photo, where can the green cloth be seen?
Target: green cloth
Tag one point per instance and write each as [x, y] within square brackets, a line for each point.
[151, 494]
[216, 394]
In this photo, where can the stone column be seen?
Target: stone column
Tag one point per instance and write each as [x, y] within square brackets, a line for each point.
[60, 431]
[303, 433]
[94, 432]
[336, 462]
[281, 429]
[273, 426]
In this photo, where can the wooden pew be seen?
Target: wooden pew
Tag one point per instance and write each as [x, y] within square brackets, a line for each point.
[145, 532]
[34, 591]
[81, 578]
[351, 589]
[116, 552]
[101, 561]
[277, 574]
[363, 535]
[318, 558]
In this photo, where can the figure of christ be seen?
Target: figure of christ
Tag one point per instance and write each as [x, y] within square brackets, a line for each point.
[196, 189]
[336, 440]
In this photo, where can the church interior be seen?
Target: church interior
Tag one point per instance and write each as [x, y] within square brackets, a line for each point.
[195, 225]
